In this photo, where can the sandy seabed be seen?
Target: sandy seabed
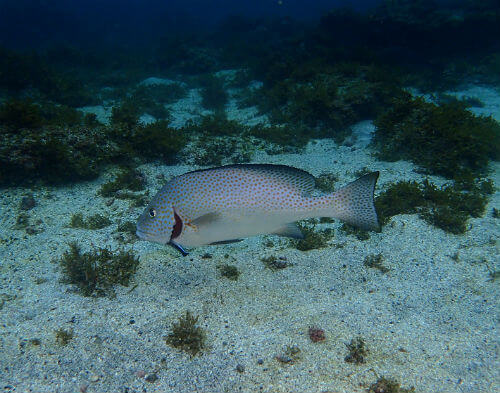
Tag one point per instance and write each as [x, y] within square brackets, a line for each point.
[430, 322]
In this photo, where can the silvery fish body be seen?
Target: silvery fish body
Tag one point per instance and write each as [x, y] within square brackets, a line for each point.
[237, 201]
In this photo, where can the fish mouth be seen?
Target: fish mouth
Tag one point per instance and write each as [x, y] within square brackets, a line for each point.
[142, 235]
[150, 237]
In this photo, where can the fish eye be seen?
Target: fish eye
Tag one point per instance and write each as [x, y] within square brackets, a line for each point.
[152, 212]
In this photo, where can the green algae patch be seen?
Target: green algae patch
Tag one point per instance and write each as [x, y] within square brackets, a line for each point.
[388, 385]
[358, 233]
[446, 139]
[326, 182]
[20, 114]
[447, 207]
[125, 115]
[63, 337]
[357, 351]
[156, 141]
[96, 221]
[186, 335]
[213, 93]
[374, 261]
[128, 179]
[231, 272]
[312, 239]
[96, 273]
[216, 125]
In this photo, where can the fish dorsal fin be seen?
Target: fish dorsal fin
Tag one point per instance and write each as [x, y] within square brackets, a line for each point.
[290, 230]
[292, 178]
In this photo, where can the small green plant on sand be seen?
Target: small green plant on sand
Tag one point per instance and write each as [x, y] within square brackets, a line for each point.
[326, 182]
[63, 337]
[125, 115]
[128, 179]
[229, 271]
[387, 385]
[273, 263]
[96, 221]
[95, 273]
[312, 239]
[186, 336]
[359, 233]
[374, 261]
[127, 227]
[157, 141]
[357, 351]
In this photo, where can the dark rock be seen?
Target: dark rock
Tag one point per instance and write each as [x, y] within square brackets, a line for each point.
[27, 202]
[151, 378]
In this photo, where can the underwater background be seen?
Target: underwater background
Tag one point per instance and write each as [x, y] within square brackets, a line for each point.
[103, 102]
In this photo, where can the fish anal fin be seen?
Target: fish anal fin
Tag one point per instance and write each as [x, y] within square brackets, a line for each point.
[226, 242]
[290, 230]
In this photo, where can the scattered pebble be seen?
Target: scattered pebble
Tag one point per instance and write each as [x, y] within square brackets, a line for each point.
[27, 202]
[151, 378]
[284, 358]
[240, 368]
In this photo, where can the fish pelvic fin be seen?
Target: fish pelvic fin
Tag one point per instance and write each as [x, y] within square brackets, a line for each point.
[354, 204]
[290, 230]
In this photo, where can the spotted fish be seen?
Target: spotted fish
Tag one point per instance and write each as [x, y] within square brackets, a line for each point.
[232, 202]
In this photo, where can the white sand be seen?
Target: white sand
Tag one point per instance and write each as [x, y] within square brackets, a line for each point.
[431, 322]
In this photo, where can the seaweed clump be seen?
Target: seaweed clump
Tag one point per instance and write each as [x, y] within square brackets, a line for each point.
[312, 239]
[447, 140]
[186, 335]
[387, 385]
[95, 273]
[20, 114]
[359, 233]
[213, 94]
[326, 182]
[154, 141]
[357, 351]
[273, 263]
[48, 143]
[96, 221]
[448, 207]
[63, 337]
[125, 115]
[128, 179]
[374, 261]
[229, 271]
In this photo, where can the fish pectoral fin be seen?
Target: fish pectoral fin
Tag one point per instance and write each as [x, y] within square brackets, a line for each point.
[178, 247]
[226, 242]
[207, 219]
[290, 230]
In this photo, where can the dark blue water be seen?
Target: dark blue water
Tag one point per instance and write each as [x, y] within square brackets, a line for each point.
[34, 22]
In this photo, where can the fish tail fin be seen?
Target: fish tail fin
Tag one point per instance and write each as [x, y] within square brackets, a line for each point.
[354, 205]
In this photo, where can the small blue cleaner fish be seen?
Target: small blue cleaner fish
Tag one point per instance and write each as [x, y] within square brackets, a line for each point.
[228, 203]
